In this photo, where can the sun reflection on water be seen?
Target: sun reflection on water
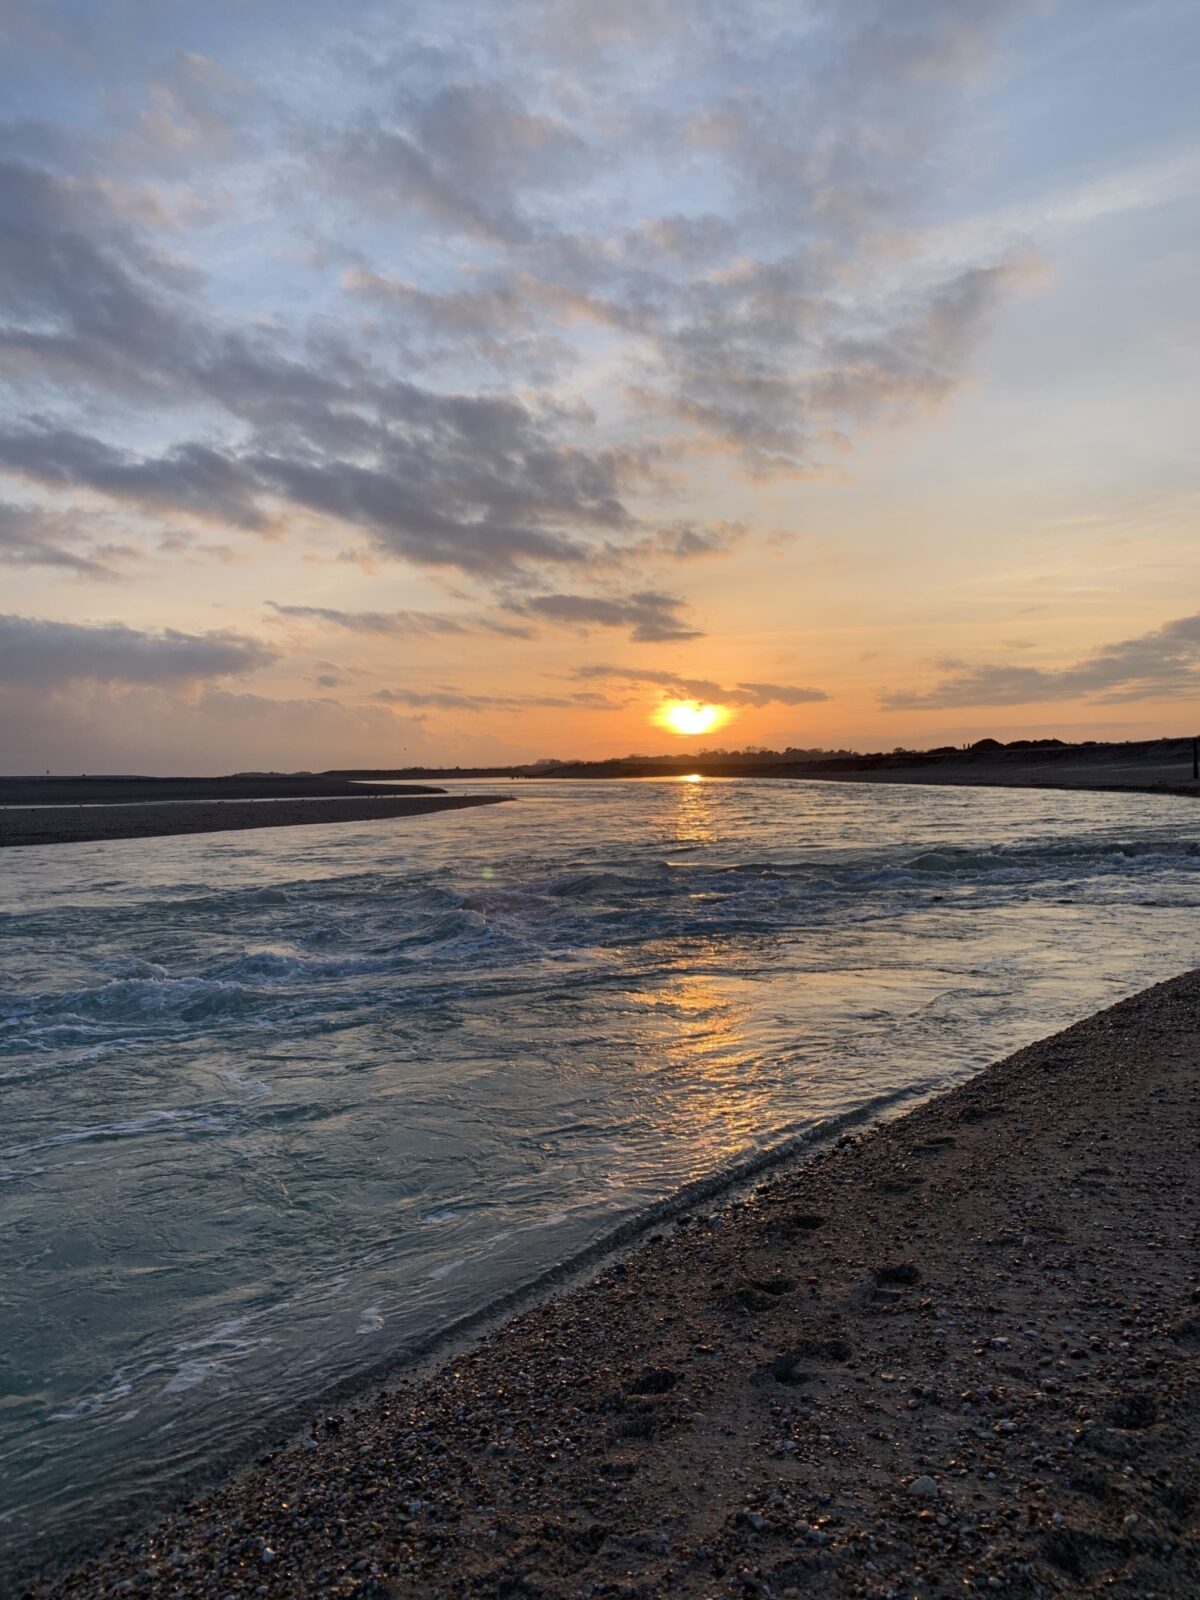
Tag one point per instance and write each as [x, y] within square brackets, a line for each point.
[695, 810]
[695, 1037]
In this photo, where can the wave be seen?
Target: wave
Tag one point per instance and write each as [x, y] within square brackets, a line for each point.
[296, 1100]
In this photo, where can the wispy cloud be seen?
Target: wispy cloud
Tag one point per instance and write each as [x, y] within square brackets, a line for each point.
[450, 699]
[1162, 663]
[761, 328]
[469, 156]
[676, 685]
[402, 624]
[36, 651]
[649, 615]
[524, 302]
[33, 537]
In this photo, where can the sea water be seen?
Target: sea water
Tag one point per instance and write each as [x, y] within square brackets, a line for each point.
[276, 1106]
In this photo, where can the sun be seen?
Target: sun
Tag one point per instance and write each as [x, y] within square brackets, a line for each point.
[689, 717]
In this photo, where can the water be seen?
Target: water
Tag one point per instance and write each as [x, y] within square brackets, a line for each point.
[278, 1104]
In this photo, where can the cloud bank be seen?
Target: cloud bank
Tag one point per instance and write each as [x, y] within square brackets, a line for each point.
[520, 304]
[1163, 663]
[702, 205]
[44, 653]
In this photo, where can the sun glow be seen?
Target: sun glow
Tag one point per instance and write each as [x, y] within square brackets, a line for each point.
[689, 717]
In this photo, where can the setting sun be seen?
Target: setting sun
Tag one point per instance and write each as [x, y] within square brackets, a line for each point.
[689, 717]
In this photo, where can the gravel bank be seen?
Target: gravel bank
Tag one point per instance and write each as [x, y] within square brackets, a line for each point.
[62, 825]
[956, 1354]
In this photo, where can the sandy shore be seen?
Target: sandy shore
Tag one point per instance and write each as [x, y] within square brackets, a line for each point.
[956, 1354]
[30, 825]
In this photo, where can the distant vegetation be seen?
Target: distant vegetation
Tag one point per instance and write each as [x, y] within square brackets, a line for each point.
[796, 762]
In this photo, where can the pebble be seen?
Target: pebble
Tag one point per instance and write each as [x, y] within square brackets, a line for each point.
[924, 1488]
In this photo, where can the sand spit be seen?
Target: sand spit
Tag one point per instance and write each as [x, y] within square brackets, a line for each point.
[64, 825]
[111, 791]
[957, 1354]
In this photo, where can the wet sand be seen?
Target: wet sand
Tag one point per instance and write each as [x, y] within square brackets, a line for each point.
[957, 1354]
[62, 824]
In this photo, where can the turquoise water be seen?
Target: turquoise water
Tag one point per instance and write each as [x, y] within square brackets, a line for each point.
[275, 1105]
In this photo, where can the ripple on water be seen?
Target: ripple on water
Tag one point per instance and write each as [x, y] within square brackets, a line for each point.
[272, 1113]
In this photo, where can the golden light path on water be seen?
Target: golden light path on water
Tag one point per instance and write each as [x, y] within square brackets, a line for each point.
[329, 1090]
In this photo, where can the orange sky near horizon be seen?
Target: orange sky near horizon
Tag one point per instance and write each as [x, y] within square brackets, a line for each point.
[465, 386]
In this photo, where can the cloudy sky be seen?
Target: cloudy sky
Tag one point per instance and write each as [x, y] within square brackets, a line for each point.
[458, 381]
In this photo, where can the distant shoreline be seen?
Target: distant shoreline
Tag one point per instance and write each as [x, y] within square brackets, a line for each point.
[1078, 783]
[93, 822]
[1153, 766]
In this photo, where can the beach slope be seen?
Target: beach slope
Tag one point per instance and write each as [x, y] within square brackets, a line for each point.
[957, 1354]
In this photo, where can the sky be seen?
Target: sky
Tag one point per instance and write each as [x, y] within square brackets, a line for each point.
[464, 382]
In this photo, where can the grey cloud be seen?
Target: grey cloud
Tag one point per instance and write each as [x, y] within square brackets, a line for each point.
[477, 481]
[414, 623]
[460, 312]
[189, 113]
[457, 700]
[649, 615]
[881, 83]
[486, 135]
[441, 699]
[79, 293]
[802, 328]
[929, 40]
[193, 477]
[34, 651]
[680, 541]
[767, 330]
[766, 694]
[706, 689]
[766, 357]
[685, 688]
[576, 29]
[686, 541]
[923, 356]
[690, 239]
[378, 164]
[767, 363]
[32, 537]
[455, 509]
[505, 630]
[1164, 662]
[468, 155]
[452, 490]
[500, 324]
